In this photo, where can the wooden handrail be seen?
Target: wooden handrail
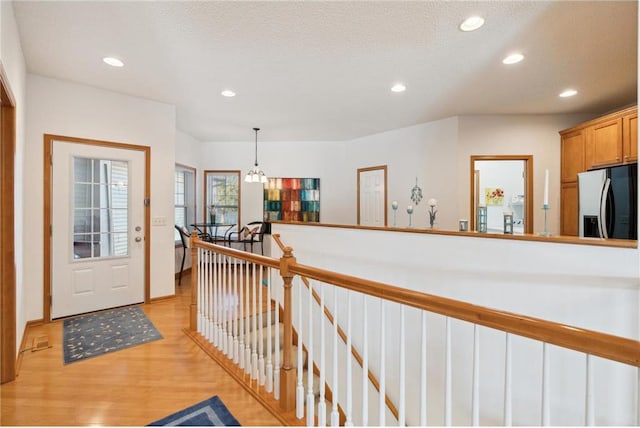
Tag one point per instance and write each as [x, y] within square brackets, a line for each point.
[591, 342]
[238, 254]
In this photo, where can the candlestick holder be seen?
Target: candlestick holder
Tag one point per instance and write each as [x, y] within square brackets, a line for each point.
[545, 232]
[432, 215]
[410, 212]
[394, 207]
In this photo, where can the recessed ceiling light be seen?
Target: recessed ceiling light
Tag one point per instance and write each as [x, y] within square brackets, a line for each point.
[568, 93]
[113, 62]
[513, 59]
[472, 23]
[398, 87]
[228, 93]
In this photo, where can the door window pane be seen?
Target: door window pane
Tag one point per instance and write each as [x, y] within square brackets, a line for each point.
[100, 211]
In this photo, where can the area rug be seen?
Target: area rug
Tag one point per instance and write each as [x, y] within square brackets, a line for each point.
[103, 332]
[208, 413]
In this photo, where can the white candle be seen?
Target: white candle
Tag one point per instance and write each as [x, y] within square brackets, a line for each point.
[409, 209]
[394, 205]
[546, 188]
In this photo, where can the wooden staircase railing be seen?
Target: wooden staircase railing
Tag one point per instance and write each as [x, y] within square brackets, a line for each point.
[591, 343]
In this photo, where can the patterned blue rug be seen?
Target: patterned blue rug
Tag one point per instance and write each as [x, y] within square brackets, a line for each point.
[102, 332]
[208, 413]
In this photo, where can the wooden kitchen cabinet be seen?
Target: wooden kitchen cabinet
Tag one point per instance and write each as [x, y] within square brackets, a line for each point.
[604, 144]
[630, 138]
[569, 209]
[572, 155]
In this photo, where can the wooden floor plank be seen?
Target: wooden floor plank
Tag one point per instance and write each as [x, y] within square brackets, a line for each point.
[134, 387]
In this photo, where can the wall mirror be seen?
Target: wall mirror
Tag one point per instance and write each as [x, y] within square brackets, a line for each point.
[503, 184]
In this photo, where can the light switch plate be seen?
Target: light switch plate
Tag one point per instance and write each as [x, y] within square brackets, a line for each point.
[159, 221]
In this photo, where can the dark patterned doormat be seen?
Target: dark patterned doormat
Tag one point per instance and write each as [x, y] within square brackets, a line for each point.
[108, 331]
[211, 412]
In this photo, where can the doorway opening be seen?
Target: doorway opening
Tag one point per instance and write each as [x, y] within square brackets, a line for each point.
[502, 183]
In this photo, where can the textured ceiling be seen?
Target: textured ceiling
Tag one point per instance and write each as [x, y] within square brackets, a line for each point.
[313, 70]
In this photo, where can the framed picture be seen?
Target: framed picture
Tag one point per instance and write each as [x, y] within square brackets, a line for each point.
[292, 199]
[493, 195]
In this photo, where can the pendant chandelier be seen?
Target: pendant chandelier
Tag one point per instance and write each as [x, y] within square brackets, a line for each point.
[255, 174]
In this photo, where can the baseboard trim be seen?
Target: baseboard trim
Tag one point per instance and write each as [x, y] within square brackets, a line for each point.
[23, 342]
[162, 298]
[251, 386]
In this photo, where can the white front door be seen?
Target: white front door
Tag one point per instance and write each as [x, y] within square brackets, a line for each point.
[97, 236]
[372, 183]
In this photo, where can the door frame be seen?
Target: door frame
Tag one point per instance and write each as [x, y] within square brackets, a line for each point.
[369, 169]
[8, 350]
[528, 187]
[49, 139]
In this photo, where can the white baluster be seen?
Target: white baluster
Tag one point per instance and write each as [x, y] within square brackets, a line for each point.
[269, 375]
[508, 413]
[589, 400]
[638, 398]
[322, 405]
[401, 414]
[205, 295]
[349, 420]
[234, 300]
[310, 397]
[475, 394]
[382, 408]
[254, 352]
[212, 298]
[222, 271]
[276, 362]
[299, 385]
[228, 299]
[365, 363]
[214, 291]
[546, 416]
[199, 298]
[261, 374]
[223, 298]
[247, 344]
[241, 346]
[335, 419]
[447, 370]
[423, 372]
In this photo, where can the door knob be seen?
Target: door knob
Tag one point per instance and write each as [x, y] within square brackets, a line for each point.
[138, 239]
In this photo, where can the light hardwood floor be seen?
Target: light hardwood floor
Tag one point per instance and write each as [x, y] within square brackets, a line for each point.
[132, 387]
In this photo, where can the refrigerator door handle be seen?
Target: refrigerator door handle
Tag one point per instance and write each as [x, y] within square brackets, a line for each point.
[602, 221]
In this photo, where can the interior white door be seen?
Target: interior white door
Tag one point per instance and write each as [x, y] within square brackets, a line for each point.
[372, 196]
[97, 235]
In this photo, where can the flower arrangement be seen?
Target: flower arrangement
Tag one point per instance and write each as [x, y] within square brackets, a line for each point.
[432, 211]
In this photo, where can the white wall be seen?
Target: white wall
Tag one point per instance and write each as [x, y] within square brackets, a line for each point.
[324, 160]
[436, 153]
[70, 109]
[591, 287]
[188, 153]
[13, 63]
[426, 152]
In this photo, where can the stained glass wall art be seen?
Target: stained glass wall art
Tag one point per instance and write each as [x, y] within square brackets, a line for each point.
[292, 199]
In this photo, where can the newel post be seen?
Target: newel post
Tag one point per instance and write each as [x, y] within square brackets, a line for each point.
[287, 373]
[193, 307]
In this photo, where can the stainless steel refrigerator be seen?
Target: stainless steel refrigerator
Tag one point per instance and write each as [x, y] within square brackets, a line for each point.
[608, 202]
